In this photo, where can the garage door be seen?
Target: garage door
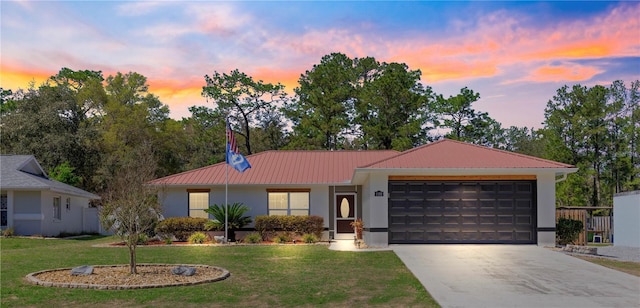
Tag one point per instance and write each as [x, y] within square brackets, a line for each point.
[462, 212]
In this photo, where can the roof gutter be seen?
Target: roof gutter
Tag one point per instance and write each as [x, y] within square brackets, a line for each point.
[358, 174]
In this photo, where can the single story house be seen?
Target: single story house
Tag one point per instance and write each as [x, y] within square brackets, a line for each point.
[33, 204]
[442, 192]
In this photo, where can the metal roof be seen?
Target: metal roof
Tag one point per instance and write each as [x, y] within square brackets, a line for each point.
[338, 167]
[22, 172]
[283, 167]
[451, 154]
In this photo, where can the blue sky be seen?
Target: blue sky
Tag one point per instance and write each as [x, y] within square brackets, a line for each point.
[515, 54]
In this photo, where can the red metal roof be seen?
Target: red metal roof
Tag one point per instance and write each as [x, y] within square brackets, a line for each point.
[335, 167]
[453, 154]
[283, 167]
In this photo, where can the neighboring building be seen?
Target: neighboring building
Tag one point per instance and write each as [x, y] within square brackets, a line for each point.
[626, 219]
[33, 204]
[443, 192]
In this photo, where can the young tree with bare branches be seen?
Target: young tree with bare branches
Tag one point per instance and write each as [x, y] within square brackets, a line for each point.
[130, 208]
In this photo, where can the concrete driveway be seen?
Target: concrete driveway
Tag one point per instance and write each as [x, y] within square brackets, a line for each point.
[516, 276]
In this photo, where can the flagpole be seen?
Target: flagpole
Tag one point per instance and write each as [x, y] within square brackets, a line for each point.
[239, 163]
[226, 186]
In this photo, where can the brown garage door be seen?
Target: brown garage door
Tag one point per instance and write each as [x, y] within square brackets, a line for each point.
[462, 212]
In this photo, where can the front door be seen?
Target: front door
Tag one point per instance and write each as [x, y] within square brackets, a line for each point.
[345, 210]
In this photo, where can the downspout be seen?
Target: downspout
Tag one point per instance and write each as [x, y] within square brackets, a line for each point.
[562, 178]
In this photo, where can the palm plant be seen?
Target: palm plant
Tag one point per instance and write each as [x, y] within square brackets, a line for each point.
[235, 218]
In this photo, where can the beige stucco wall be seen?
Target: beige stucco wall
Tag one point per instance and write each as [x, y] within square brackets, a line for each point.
[546, 199]
[176, 204]
[376, 209]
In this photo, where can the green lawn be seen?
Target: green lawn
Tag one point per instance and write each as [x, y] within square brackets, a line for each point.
[260, 276]
[628, 267]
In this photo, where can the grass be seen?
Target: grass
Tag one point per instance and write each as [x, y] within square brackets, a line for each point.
[628, 267]
[598, 244]
[283, 275]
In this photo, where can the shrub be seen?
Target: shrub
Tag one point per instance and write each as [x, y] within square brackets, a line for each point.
[180, 227]
[197, 238]
[309, 238]
[312, 225]
[235, 218]
[568, 230]
[8, 232]
[253, 238]
[142, 239]
[282, 238]
[269, 225]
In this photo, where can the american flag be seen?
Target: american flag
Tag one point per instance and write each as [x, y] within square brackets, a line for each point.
[233, 146]
[234, 158]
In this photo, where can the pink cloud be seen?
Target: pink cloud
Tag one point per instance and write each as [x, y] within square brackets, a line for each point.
[563, 73]
[501, 41]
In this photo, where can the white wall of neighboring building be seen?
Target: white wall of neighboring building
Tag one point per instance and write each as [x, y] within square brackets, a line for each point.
[626, 219]
[27, 214]
[31, 213]
[71, 219]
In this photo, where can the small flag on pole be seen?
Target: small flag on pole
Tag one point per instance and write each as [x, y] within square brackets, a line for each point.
[234, 158]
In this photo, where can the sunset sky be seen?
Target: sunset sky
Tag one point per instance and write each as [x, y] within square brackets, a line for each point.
[515, 54]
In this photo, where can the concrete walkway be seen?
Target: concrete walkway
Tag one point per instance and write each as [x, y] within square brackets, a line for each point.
[516, 276]
[349, 245]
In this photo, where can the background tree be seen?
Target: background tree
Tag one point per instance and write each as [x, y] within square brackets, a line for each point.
[270, 132]
[325, 97]
[7, 102]
[241, 98]
[88, 88]
[461, 122]
[592, 128]
[623, 152]
[524, 140]
[205, 131]
[391, 107]
[47, 123]
[366, 69]
[129, 207]
[134, 117]
[65, 173]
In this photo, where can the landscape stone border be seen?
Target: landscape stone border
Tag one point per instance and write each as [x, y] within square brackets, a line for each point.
[32, 278]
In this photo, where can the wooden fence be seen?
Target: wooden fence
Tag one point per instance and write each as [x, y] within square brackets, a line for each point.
[600, 225]
[580, 215]
[596, 225]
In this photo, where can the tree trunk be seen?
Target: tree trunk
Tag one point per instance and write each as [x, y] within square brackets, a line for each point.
[247, 139]
[232, 235]
[132, 259]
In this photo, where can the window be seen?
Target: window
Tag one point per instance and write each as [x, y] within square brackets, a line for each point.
[198, 202]
[68, 204]
[295, 203]
[4, 205]
[57, 210]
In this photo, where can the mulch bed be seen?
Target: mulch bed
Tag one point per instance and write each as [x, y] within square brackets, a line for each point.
[118, 277]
